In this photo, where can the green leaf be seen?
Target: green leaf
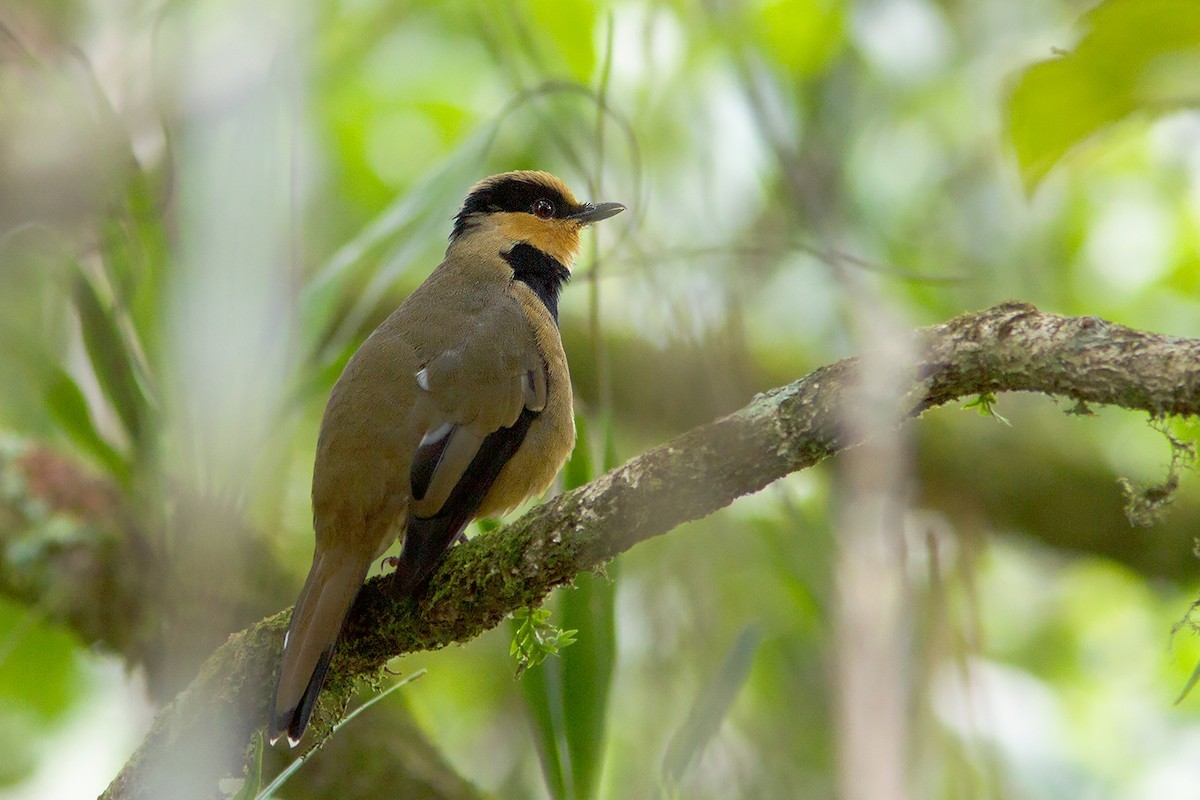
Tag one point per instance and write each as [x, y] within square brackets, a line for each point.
[587, 670]
[535, 638]
[135, 254]
[1191, 684]
[571, 746]
[1136, 56]
[711, 706]
[40, 683]
[133, 239]
[253, 779]
[588, 666]
[578, 469]
[39, 671]
[542, 690]
[801, 35]
[69, 409]
[110, 357]
[570, 26]
[985, 404]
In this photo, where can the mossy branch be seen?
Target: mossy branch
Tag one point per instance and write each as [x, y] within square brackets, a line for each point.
[200, 737]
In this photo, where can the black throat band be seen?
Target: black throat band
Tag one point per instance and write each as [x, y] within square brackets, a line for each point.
[540, 271]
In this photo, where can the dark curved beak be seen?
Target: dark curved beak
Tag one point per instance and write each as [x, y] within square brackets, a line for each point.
[587, 213]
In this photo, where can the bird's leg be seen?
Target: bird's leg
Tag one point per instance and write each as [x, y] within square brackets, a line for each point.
[393, 562]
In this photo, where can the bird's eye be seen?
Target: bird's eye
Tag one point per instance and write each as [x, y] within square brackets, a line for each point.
[543, 208]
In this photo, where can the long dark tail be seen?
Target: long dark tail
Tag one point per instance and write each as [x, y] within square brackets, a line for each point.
[325, 600]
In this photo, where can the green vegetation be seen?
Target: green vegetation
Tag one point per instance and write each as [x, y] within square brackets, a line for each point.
[205, 207]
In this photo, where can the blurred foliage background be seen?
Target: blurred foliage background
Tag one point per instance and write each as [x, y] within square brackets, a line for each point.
[205, 207]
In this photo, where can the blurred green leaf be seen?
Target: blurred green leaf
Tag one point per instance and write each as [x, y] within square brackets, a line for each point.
[570, 25]
[110, 357]
[711, 707]
[18, 746]
[133, 240]
[578, 469]
[588, 665]
[1191, 684]
[253, 780]
[1136, 56]
[40, 681]
[69, 409]
[801, 35]
[587, 668]
[568, 696]
[38, 667]
[542, 689]
[136, 255]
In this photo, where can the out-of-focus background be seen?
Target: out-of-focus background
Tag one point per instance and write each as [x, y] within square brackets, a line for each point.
[206, 206]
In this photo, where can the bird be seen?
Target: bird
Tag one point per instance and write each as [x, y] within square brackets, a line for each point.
[458, 406]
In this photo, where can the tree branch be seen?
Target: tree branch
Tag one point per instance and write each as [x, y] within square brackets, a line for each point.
[202, 735]
[71, 546]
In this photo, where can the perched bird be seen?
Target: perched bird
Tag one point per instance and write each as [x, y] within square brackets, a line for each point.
[458, 406]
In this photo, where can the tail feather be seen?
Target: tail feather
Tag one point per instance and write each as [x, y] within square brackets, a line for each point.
[297, 719]
[308, 646]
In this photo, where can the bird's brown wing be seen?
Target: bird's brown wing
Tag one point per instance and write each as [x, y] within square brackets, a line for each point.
[480, 399]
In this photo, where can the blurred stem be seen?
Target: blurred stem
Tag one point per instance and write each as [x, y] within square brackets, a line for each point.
[871, 619]
[603, 368]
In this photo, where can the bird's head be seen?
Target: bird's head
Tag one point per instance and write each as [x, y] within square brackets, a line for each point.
[530, 207]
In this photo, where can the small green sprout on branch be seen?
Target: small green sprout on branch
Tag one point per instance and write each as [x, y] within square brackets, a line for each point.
[535, 638]
[985, 404]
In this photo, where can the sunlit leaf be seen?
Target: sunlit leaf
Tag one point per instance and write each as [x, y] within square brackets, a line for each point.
[1136, 56]
[570, 26]
[801, 35]
[1192, 680]
[336, 303]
